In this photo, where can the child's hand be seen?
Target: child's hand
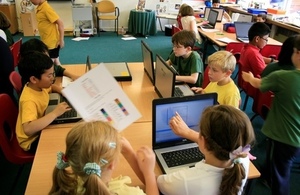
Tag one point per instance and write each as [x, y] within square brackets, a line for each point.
[247, 76]
[197, 89]
[126, 146]
[178, 126]
[146, 160]
[61, 108]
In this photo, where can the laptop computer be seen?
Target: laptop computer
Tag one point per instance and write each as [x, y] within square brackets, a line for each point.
[241, 30]
[165, 81]
[245, 18]
[164, 142]
[119, 70]
[68, 117]
[212, 20]
[220, 15]
[148, 61]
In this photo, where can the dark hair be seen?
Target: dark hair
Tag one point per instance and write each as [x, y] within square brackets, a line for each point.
[34, 63]
[187, 11]
[216, 1]
[185, 38]
[263, 16]
[225, 129]
[287, 51]
[33, 45]
[258, 29]
[297, 43]
[4, 21]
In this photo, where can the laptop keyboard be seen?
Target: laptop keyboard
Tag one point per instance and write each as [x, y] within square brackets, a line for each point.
[182, 157]
[69, 114]
[178, 92]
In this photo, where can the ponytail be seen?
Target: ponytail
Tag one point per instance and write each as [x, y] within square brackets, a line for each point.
[95, 185]
[64, 182]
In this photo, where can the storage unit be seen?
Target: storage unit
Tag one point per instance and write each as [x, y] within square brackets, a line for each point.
[82, 20]
[10, 11]
[29, 23]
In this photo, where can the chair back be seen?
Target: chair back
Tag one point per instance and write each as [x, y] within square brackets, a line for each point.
[206, 80]
[8, 141]
[15, 50]
[16, 81]
[175, 29]
[271, 51]
[262, 104]
[235, 48]
[106, 6]
[178, 19]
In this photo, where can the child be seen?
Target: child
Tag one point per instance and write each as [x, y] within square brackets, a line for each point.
[188, 21]
[224, 139]
[186, 61]
[92, 152]
[221, 65]
[51, 28]
[178, 19]
[37, 70]
[37, 45]
[226, 17]
[282, 125]
[261, 18]
[4, 25]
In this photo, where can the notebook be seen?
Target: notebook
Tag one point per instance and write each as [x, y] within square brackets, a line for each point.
[220, 15]
[119, 70]
[165, 81]
[68, 117]
[241, 29]
[212, 20]
[164, 142]
[148, 61]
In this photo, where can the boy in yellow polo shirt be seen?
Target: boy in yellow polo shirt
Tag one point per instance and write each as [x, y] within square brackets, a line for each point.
[51, 28]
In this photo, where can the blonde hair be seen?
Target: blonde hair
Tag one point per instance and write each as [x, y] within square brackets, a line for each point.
[223, 59]
[87, 142]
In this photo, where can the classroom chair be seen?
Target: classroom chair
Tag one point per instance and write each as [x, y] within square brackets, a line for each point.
[235, 48]
[206, 80]
[271, 51]
[15, 50]
[262, 104]
[16, 81]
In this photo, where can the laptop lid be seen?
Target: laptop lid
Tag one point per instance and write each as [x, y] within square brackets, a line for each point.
[244, 18]
[88, 65]
[190, 109]
[220, 15]
[241, 29]
[119, 70]
[68, 117]
[148, 61]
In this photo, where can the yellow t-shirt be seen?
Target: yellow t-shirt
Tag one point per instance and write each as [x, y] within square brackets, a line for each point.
[228, 94]
[46, 18]
[32, 106]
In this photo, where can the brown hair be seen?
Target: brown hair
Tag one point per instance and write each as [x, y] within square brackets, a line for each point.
[187, 11]
[4, 21]
[185, 38]
[225, 129]
[87, 142]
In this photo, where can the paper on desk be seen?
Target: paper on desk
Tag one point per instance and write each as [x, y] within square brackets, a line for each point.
[226, 40]
[97, 96]
[66, 81]
[209, 30]
[81, 38]
[128, 38]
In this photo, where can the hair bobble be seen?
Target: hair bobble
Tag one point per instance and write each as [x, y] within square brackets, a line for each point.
[62, 161]
[92, 168]
[103, 161]
[112, 144]
[239, 152]
[237, 161]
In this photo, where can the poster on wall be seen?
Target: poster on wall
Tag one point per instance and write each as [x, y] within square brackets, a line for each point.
[168, 6]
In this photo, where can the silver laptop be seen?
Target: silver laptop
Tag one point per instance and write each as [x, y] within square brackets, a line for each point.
[68, 117]
[245, 18]
[241, 30]
[212, 20]
[220, 15]
[165, 81]
[148, 61]
[119, 70]
[165, 143]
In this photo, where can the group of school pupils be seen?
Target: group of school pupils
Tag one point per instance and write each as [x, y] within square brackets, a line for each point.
[93, 148]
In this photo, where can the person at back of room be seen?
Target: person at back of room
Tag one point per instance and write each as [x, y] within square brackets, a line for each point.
[92, 154]
[4, 25]
[226, 16]
[178, 19]
[50, 27]
[37, 70]
[37, 45]
[224, 138]
[187, 62]
[261, 18]
[221, 65]
[282, 125]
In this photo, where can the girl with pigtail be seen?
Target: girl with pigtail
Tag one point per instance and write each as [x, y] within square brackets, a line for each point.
[224, 139]
[92, 153]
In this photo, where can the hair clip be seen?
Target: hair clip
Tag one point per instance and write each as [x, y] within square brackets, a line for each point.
[62, 161]
[237, 161]
[92, 168]
[240, 150]
[103, 161]
[112, 144]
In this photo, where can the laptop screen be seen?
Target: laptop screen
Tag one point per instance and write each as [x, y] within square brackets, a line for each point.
[190, 109]
[148, 61]
[220, 15]
[212, 17]
[244, 18]
[242, 28]
[164, 78]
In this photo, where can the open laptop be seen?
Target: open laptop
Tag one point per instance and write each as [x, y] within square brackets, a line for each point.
[241, 30]
[165, 143]
[165, 81]
[119, 70]
[68, 117]
[220, 15]
[245, 18]
[212, 20]
[148, 61]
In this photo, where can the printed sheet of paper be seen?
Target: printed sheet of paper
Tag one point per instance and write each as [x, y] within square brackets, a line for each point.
[97, 96]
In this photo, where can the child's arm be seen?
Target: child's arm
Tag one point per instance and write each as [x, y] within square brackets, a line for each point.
[180, 128]
[198, 90]
[130, 156]
[248, 77]
[32, 127]
[188, 79]
[56, 88]
[60, 27]
[69, 74]
[146, 162]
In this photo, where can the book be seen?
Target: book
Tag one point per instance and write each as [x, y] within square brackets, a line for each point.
[96, 95]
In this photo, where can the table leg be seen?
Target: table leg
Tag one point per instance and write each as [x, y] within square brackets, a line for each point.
[160, 24]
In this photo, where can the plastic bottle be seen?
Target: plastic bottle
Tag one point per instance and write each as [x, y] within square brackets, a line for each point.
[122, 30]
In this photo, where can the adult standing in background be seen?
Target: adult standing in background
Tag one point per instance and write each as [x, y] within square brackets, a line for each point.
[51, 28]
